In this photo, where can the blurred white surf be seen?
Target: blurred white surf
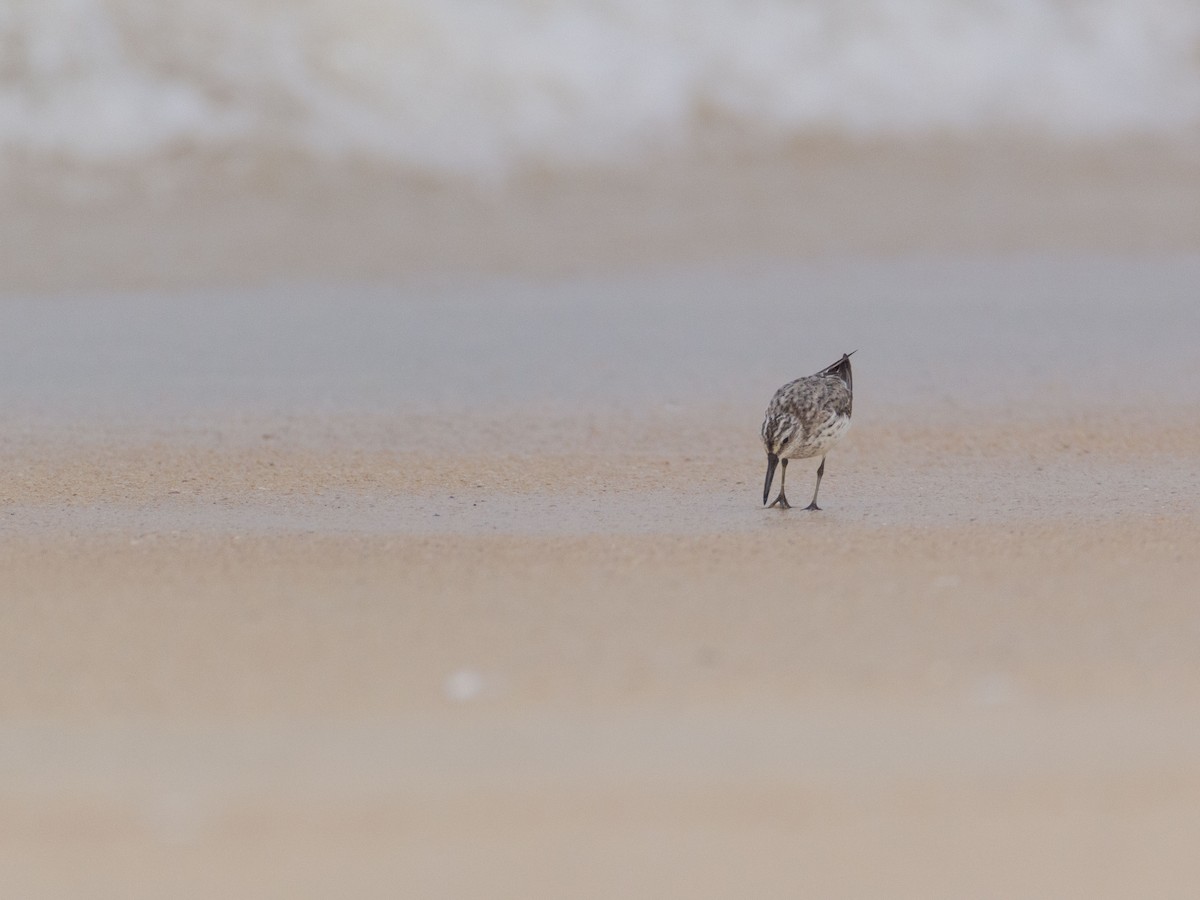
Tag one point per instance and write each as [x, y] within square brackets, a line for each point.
[475, 88]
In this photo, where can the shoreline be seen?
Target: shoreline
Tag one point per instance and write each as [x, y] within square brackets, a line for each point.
[291, 220]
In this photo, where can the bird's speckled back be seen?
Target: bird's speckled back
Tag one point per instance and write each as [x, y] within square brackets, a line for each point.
[809, 415]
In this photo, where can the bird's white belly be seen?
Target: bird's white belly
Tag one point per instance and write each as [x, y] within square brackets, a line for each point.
[819, 440]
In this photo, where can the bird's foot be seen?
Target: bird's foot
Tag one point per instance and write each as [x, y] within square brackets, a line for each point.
[813, 506]
[781, 502]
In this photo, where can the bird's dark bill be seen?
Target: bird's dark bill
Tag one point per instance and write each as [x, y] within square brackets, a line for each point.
[772, 462]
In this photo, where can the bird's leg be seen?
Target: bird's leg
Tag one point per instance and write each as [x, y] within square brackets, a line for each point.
[820, 472]
[781, 500]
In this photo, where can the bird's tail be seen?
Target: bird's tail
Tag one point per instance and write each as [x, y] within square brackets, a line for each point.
[841, 369]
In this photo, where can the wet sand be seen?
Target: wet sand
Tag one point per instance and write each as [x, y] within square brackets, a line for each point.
[378, 578]
[239, 221]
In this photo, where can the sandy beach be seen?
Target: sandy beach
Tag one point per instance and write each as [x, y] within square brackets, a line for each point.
[380, 473]
[304, 625]
[238, 672]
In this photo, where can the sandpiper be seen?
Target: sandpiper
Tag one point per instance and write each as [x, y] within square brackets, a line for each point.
[805, 418]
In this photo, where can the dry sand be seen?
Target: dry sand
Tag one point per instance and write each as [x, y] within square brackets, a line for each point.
[396, 590]
[291, 670]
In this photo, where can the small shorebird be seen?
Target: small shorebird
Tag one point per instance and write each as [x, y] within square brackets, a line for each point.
[805, 418]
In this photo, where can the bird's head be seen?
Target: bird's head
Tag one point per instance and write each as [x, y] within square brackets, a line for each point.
[776, 435]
